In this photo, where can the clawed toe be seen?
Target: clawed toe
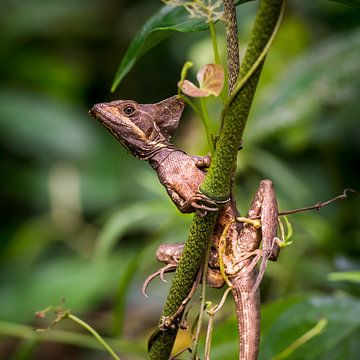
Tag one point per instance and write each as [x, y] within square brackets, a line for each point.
[160, 273]
[202, 204]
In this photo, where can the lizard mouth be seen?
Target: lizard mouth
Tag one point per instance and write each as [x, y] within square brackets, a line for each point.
[91, 113]
[97, 112]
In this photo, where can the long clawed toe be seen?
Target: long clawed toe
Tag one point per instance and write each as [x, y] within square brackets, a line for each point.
[202, 204]
[160, 273]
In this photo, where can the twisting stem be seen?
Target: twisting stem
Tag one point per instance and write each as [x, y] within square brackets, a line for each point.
[237, 107]
[209, 332]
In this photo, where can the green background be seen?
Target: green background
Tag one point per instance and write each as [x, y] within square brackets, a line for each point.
[81, 219]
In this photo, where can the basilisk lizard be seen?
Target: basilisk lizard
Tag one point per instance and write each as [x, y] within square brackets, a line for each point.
[145, 130]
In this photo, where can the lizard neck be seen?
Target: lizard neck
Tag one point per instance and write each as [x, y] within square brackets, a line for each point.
[160, 155]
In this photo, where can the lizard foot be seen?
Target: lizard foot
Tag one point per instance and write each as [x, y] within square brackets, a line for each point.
[202, 204]
[266, 255]
[160, 273]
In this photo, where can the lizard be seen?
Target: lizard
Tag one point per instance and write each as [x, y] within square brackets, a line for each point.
[145, 131]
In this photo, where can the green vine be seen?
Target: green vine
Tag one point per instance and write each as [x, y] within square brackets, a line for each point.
[217, 182]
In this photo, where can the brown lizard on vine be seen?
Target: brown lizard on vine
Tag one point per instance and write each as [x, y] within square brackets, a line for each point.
[145, 130]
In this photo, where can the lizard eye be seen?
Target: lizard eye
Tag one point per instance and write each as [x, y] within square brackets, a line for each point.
[128, 110]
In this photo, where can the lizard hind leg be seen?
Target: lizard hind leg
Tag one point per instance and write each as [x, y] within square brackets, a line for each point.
[266, 256]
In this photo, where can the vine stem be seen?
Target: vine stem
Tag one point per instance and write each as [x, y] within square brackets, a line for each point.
[214, 42]
[217, 182]
[202, 303]
[216, 51]
[94, 333]
[207, 124]
[204, 116]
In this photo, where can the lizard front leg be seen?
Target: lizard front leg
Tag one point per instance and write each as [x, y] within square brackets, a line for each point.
[197, 202]
[168, 254]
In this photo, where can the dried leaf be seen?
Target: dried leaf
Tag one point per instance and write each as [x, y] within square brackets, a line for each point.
[189, 89]
[211, 78]
[211, 81]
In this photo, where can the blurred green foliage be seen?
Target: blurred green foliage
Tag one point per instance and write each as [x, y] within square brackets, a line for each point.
[80, 219]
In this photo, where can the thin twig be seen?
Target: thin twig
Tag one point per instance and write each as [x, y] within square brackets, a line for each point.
[317, 206]
[320, 204]
[202, 305]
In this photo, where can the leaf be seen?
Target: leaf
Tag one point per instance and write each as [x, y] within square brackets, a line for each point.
[353, 276]
[290, 324]
[142, 214]
[74, 338]
[286, 320]
[167, 20]
[82, 283]
[324, 76]
[56, 128]
[211, 81]
[355, 3]
[189, 89]
[162, 24]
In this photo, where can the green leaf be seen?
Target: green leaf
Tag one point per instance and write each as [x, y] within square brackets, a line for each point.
[167, 20]
[355, 3]
[225, 338]
[324, 76]
[74, 338]
[140, 214]
[286, 320]
[353, 276]
[82, 283]
[289, 324]
[34, 124]
[162, 24]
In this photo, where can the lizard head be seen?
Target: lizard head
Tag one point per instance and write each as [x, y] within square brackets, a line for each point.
[141, 128]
